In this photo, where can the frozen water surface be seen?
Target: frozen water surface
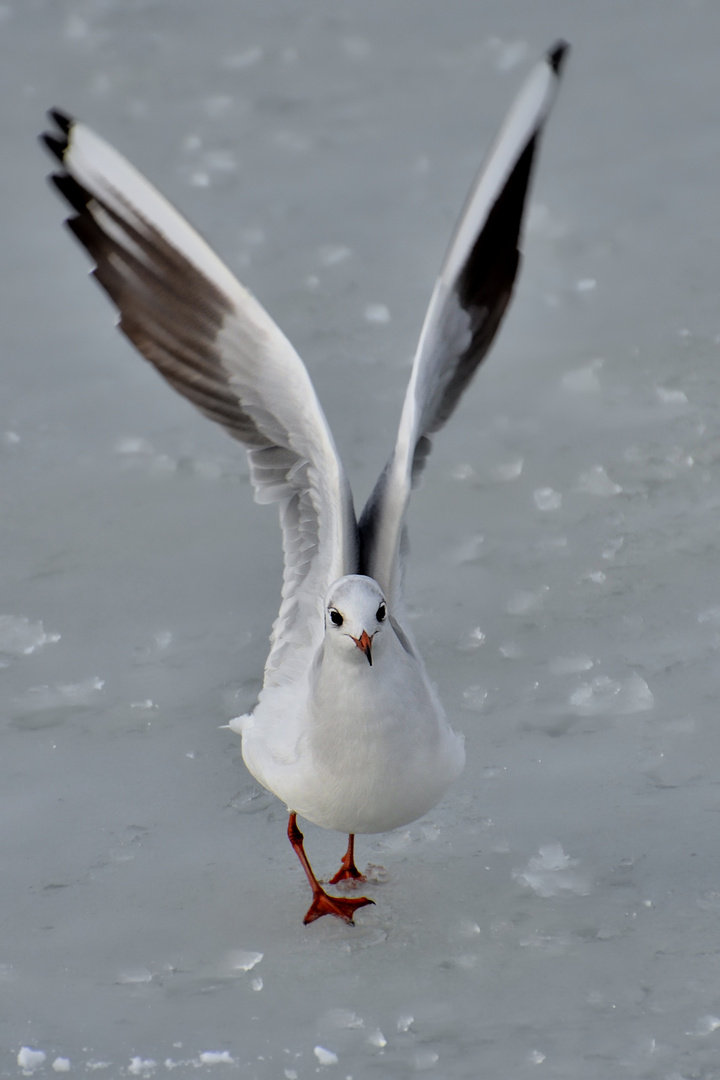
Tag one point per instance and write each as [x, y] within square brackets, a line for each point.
[559, 913]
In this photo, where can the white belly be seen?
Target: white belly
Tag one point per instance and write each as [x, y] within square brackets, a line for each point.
[363, 750]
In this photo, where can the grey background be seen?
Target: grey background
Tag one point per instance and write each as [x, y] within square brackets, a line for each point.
[557, 915]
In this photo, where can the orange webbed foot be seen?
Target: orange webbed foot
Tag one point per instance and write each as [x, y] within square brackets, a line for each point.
[342, 907]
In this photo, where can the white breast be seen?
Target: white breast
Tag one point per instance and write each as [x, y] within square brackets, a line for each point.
[361, 749]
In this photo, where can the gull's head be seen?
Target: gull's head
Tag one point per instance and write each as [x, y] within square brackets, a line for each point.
[355, 615]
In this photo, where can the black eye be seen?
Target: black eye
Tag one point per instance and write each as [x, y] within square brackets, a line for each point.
[380, 613]
[336, 617]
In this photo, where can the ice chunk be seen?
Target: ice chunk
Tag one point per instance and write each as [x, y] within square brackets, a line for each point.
[474, 698]
[20, 637]
[141, 1066]
[509, 470]
[426, 1059]
[507, 54]
[405, 1022]
[612, 547]
[705, 1026]
[238, 61]
[218, 105]
[668, 396]
[551, 873]
[325, 1057]
[463, 472]
[132, 976]
[332, 254]
[582, 380]
[536, 1057]
[377, 1039]
[377, 313]
[132, 445]
[585, 285]
[472, 640]
[469, 550]
[523, 603]
[61, 1064]
[547, 499]
[70, 694]
[344, 1018]
[216, 1057]
[244, 960]
[570, 665]
[597, 482]
[356, 48]
[606, 695]
[29, 1060]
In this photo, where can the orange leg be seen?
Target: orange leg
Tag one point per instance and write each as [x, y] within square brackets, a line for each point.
[322, 904]
[348, 869]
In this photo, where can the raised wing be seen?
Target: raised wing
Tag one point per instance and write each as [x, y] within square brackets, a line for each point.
[466, 308]
[213, 342]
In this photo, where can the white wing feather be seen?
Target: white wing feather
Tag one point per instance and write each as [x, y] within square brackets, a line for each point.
[214, 343]
[468, 302]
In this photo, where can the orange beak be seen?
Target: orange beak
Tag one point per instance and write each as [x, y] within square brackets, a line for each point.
[364, 643]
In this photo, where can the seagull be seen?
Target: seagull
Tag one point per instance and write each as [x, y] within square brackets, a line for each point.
[348, 731]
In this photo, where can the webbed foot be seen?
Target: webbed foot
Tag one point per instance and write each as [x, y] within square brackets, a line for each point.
[342, 907]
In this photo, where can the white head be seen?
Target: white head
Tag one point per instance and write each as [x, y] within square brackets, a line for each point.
[355, 615]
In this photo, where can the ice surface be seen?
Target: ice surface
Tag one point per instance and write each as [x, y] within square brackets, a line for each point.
[557, 914]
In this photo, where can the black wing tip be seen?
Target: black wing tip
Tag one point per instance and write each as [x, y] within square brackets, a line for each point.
[57, 147]
[58, 142]
[557, 54]
[63, 120]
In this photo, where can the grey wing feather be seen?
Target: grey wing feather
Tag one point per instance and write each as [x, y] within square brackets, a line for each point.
[213, 342]
[467, 306]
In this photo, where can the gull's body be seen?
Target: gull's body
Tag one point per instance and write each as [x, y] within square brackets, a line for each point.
[350, 746]
[348, 730]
